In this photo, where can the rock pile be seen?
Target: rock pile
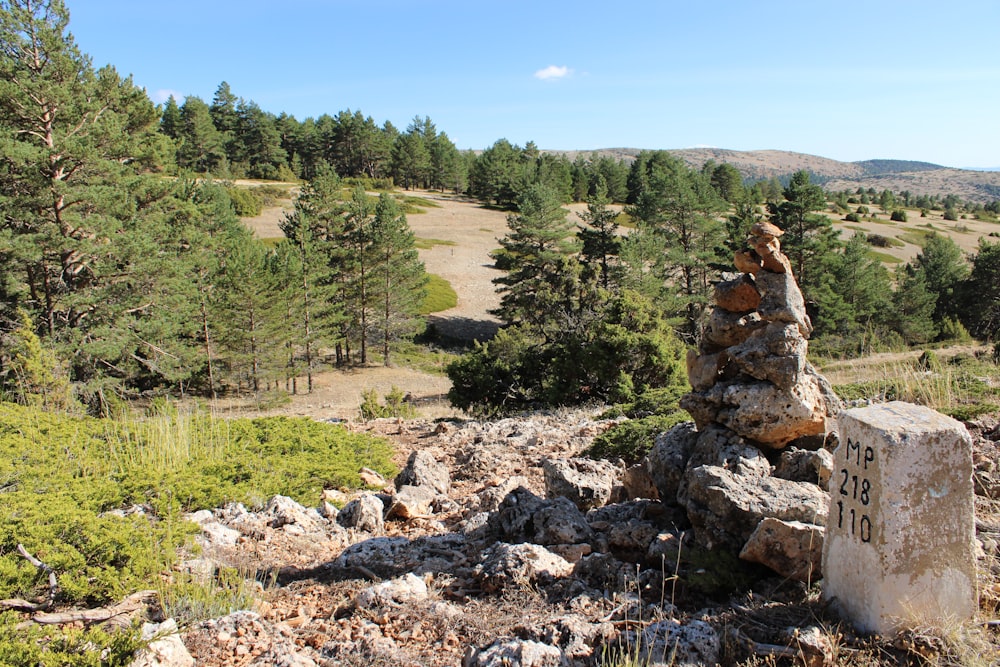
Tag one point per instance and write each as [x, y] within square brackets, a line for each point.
[751, 472]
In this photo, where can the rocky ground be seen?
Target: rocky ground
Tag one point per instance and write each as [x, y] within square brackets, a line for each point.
[496, 546]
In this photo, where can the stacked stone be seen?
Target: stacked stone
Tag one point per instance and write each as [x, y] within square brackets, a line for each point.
[750, 373]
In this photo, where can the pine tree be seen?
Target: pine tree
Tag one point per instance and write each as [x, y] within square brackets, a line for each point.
[808, 236]
[400, 273]
[913, 306]
[679, 209]
[599, 237]
[944, 267]
[536, 247]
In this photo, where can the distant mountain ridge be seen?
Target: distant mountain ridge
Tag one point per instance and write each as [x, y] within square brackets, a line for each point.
[897, 175]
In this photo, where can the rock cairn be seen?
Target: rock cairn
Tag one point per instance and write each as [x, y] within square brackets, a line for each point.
[751, 472]
[750, 373]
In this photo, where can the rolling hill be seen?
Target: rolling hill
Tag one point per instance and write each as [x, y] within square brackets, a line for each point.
[881, 174]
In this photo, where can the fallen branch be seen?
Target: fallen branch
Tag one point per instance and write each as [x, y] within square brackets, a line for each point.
[128, 606]
[17, 604]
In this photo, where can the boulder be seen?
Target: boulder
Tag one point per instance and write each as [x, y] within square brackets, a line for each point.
[520, 652]
[585, 482]
[725, 329]
[411, 502]
[668, 457]
[781, 300]
[505, 565]
[364, 513]
[761, 411]
[559, 521]
[724, 508]
[422, 469]
[719, 446]
[283, 512]
[791, 548]
[704, 370]
[802, 465]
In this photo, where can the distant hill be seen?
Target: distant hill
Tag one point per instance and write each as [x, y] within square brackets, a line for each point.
[896, 175]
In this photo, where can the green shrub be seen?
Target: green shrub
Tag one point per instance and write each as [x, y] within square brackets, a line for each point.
[852, 217]
[953, 331]
[65, 646]
[899, 215]
[629, 351]
[395, 405]
[61, 475]
[246, 203]
[631, 440]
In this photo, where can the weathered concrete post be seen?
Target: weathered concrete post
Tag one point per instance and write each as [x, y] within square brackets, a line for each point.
[899, 545]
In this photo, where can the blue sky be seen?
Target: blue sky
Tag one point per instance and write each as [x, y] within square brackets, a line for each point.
[848, 80]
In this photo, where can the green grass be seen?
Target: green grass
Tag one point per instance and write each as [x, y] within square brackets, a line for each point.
[883, 257]
[440, 295]
[413, 205]
[426, 244]
[916, 237]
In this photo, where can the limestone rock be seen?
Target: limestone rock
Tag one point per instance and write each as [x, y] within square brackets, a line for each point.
[559, 521]
[506, 565]
[776, 353]
[585, 482]
[422, 469]
[747, 261]
[719, 446]
[761, 411]
[801, 465]
[507, 652]
[364, 513]
[704, 370]
[781, 300]
[524, 517]
[408, 588]
[165, 648]
[667, 459]
[411, 502]
[725, 329]
[791, 548]
[638, 483]
[370, 554]
[675, 644]
[725, 508]
[372, 478]
[285, 512]
[764, 230]
[739, 295]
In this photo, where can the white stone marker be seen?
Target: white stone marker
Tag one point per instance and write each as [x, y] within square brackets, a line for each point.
[899, 545]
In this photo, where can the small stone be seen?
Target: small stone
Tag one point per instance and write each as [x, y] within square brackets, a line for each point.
[747, 261]
[766, 230]
[791, 548]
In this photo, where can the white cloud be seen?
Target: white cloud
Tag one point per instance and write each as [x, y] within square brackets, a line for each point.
[553, 72]
[163, 94]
